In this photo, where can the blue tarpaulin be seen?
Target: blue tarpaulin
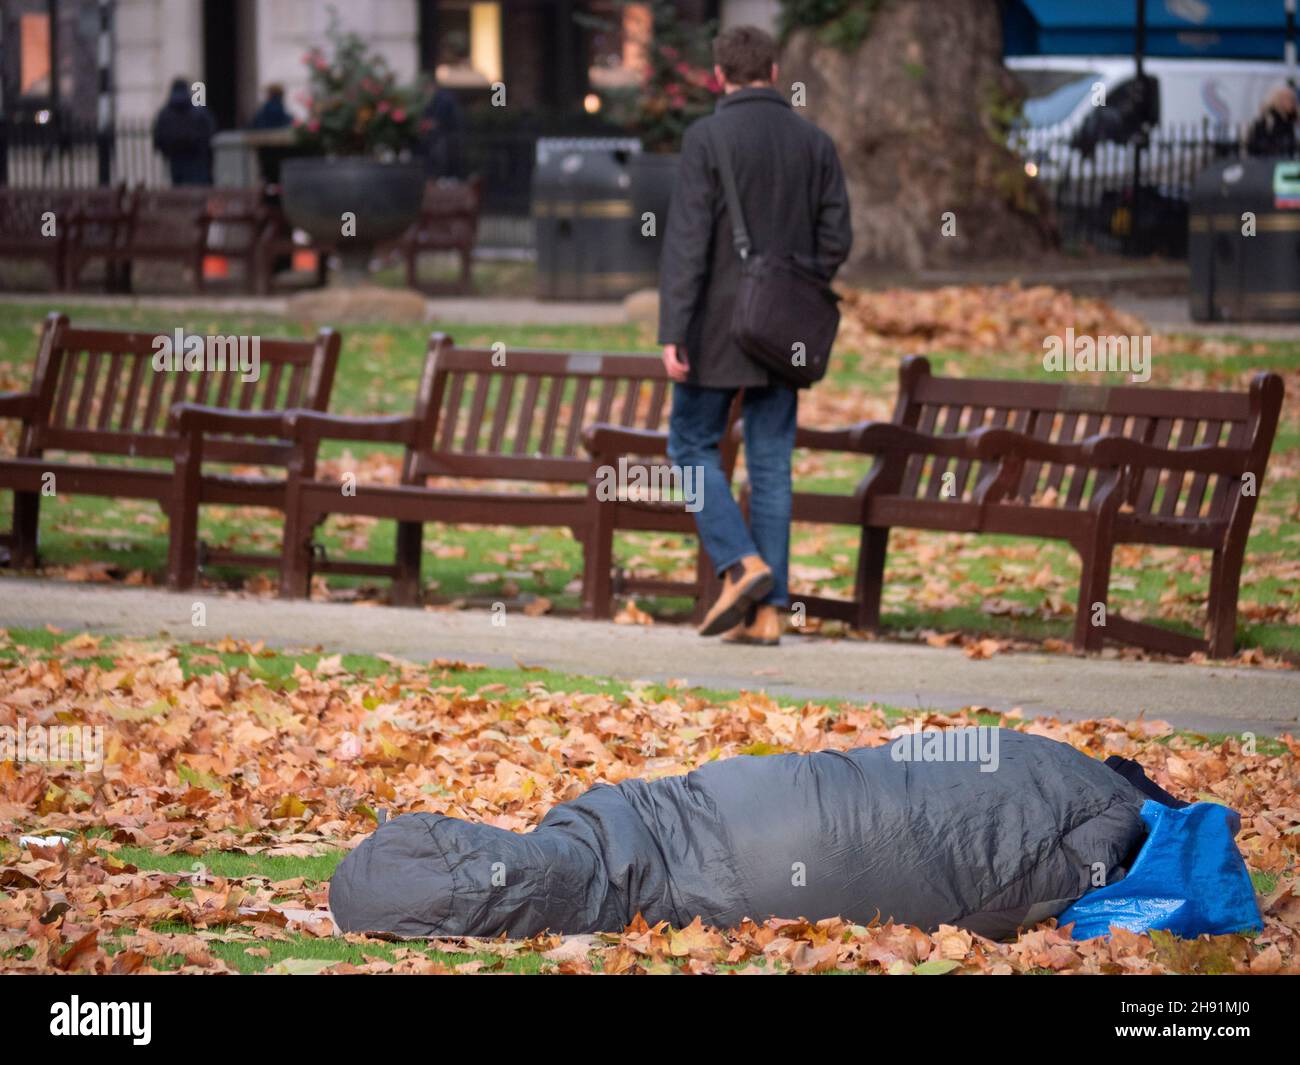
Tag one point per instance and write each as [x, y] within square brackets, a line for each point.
[1188, 879]
[1207, 29]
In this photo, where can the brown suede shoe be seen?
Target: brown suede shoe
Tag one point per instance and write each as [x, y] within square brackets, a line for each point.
[763, 628]
[754, 582]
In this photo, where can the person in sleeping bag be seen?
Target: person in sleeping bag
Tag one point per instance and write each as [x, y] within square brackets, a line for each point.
[988, 829]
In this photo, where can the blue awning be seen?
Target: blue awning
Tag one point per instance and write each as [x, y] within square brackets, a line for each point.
[1208, 29]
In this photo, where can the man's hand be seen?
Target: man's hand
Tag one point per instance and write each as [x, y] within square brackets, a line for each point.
[675, 362]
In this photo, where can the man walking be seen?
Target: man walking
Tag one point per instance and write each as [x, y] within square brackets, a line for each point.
[791, 190]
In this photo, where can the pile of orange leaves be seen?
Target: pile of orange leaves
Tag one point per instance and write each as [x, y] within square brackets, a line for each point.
[238, 759]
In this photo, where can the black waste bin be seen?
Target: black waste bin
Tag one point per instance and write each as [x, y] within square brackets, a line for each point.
[589, 242]
[1235, 277]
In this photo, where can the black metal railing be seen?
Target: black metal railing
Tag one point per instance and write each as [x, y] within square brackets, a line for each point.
[66, 154]
[1122, 199]
[63, 154]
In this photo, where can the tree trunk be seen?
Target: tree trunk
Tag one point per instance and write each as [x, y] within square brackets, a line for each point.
[918, 112]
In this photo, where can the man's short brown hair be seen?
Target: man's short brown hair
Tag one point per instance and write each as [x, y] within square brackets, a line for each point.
[745, 54]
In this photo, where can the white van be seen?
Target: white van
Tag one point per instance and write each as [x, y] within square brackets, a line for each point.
[1213, 98]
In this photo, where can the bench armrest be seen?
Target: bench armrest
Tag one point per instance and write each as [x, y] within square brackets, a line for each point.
[1120, 450]
[312, 425]
[997, 443]
[608, 441]
[17, 404]
[875, 437]
[189, 418]
[828, 439]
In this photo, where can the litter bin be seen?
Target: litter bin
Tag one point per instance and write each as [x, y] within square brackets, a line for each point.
[1235, 277]
[589, 242]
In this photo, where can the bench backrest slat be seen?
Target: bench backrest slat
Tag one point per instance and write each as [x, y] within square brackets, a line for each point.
[975, 419]
[578, 415]
[1172, 487]
[1238, 436]
[130, 404]
[527, 408]
[501, 413]
[1161, 433]
[1200, 481]
[928, 415]
[657, 403]
[102, 391]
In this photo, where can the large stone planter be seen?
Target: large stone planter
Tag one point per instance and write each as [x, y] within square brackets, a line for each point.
[384, 198]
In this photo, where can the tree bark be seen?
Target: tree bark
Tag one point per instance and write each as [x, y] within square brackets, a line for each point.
[918, 113]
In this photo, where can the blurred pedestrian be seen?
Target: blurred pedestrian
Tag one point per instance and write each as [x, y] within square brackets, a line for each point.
[1273, 132]
[182, 133]
[273, 114]
[443, 123]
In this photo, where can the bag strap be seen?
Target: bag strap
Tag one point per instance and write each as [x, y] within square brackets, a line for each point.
[739, 232]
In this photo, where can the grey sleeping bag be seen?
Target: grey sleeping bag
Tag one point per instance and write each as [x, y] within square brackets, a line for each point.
[853, 834]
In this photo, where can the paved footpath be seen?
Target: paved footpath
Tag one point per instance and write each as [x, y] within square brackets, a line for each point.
[1208, 698]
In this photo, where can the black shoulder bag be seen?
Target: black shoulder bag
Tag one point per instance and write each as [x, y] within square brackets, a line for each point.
[786, 315]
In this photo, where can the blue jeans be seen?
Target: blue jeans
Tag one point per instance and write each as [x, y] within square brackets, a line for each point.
[695, 432]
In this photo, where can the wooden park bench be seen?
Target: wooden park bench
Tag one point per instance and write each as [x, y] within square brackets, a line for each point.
[86, 223]
[95, 392]
[99, 229]
[185, 225]
[507, 416]
[1091, 465]
[448, 222]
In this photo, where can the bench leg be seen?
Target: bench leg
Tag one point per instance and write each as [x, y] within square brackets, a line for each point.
[710, 587]
[183, 546]
[597, 562]
[1225, 582]
[1094, 588]
[410, 544]
[27, 514]
[295, 552]
[295, 557]
[466, 269]
[183, 514]
[870, 579]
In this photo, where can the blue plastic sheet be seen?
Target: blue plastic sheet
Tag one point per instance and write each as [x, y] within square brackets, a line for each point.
[1189, 879]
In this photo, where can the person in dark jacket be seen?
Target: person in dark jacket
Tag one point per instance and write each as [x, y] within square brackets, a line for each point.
[1273, 132]
[791, 189]
[273, 114]
[182, 133]
[443, 124]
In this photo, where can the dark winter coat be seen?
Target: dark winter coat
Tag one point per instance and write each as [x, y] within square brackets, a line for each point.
[272, 114]
[791, 188]
[183, 134]
[444, 141]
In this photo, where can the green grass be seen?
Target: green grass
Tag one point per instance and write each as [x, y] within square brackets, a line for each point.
[477, 566]
[300, 954]
[272, 867]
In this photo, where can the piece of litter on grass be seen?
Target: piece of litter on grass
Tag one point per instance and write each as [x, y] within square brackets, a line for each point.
[42, 841]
